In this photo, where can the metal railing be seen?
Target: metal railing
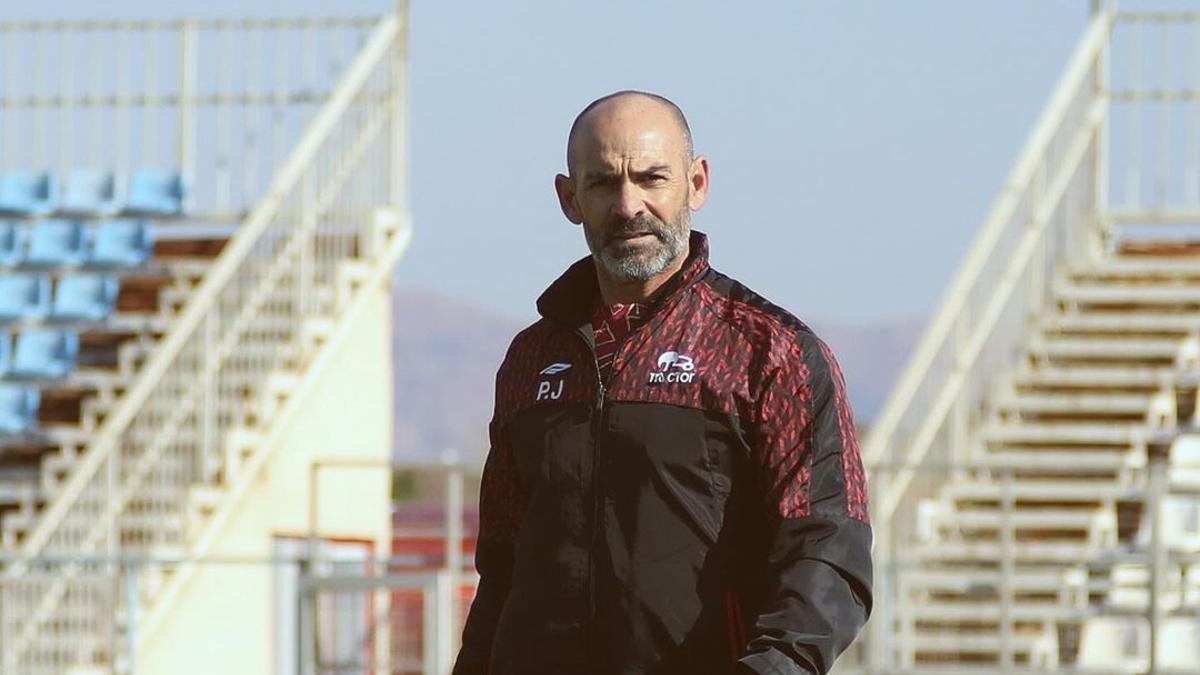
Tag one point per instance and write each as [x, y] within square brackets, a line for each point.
[1088, 149]
[222, 100]
[1035, 612]
[211, 373]
[331, 614]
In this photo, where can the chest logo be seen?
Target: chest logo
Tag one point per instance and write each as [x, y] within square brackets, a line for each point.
[546, 390]
[673, 367]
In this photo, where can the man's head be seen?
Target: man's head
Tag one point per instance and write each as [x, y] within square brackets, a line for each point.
[632, 183]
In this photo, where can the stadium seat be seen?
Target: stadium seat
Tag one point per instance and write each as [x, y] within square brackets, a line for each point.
[85, 297]
[44, 353]
[1179, 645]
[24, 296]
[1180, 524]
[5, 353]
[154, 192]
[57, 243]
[93, 192]
[12, 242]
[1130, 590]
[18, 408]
[1113, 644]
[122, 243]
[1184, 466]
[28, 193]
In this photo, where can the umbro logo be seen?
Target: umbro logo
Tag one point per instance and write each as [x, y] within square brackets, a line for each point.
[546, 390]
[555, 368]
[673, 367]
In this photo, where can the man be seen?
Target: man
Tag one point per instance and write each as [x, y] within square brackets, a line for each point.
[674, 483]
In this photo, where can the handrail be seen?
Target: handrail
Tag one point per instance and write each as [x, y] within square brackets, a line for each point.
[203, 299]
[938, 331]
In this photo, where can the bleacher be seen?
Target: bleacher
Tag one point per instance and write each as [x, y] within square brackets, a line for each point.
[190, 258]
[1035, 474]
[84, 294]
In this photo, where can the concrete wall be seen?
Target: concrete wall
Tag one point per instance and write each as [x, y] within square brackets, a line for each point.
[223, 620]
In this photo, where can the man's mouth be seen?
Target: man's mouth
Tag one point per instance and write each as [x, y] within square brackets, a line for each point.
[632, 236]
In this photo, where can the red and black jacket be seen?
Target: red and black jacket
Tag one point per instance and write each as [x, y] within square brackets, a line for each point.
[704, 511]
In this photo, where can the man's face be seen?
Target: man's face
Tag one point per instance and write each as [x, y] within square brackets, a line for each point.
[630, 188]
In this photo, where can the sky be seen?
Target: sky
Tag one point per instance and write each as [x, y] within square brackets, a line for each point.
[855, 146]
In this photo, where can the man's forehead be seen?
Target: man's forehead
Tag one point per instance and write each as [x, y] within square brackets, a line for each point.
[627, 129]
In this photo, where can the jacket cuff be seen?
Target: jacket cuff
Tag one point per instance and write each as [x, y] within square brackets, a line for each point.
[769, 662]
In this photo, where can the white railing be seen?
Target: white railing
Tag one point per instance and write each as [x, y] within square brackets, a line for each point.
[1046, 215]
[166, 436]
[222, 100]
[1155, 124]
[349, 613]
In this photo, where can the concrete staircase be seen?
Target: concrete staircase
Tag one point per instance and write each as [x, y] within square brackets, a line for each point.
[1000, 576]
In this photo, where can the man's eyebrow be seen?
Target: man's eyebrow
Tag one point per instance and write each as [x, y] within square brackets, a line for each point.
[654, 168]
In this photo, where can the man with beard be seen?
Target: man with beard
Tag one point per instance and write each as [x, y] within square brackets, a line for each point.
[674, 484]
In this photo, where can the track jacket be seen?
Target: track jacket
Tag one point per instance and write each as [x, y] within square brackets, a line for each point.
[704, 511]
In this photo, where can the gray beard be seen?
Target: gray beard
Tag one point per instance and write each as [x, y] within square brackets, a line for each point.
[673, 242]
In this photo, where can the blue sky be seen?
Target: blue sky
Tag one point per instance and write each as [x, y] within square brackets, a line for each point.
[855, 146]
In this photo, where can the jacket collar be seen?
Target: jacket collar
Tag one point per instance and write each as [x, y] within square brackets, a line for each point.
[571, 298]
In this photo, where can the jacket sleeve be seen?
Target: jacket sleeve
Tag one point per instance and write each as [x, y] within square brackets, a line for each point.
[819, 557]
[500, 505]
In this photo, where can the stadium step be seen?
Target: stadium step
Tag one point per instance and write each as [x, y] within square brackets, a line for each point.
[1056, 434]
[1132, 349]
[988, 611]
[1031, 490]
[1121, 323]
[1130, 268]
[1087, 402]
[1094, 377]
[1030, 461]
[1113, 295]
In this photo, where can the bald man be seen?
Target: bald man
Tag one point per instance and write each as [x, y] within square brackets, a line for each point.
[674, 484]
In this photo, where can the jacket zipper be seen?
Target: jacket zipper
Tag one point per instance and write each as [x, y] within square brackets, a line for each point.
[597, 501]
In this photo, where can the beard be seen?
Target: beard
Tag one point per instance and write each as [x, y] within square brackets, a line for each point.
[625, 261]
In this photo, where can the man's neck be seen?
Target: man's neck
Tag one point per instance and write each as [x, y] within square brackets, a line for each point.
[624, 292]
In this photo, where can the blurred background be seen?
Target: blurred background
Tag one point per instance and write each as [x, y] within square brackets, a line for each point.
[259, 263]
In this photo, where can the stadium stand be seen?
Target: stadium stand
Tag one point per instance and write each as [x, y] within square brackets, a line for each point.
[1050, 407]
[201, 268]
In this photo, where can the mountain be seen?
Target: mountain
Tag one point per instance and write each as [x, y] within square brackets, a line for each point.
[447, 351]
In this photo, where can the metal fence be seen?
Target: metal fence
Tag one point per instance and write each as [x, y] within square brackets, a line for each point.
[222, 100]
[334, 614]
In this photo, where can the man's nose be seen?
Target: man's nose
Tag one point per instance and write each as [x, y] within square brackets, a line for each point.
[629, 200]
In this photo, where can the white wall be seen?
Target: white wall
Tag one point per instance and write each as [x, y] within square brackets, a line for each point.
[223, 619]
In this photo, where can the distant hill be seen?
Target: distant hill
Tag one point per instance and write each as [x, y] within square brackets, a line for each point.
[446, 355]
[447, 352]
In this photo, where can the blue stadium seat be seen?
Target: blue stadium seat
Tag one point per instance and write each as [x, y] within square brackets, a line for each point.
[122, 243]
[85, 297]
[24, 296]
[18, 408]
[12, 242]
[154, 192]
[57, 243]
[5, 353]
[28, 193]
[93, 192]
[44, 354]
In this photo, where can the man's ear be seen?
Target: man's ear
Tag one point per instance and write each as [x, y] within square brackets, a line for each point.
[565, 188]
[698, 183]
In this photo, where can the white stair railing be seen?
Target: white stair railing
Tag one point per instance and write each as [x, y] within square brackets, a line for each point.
[1046, 214]
[167, 432]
